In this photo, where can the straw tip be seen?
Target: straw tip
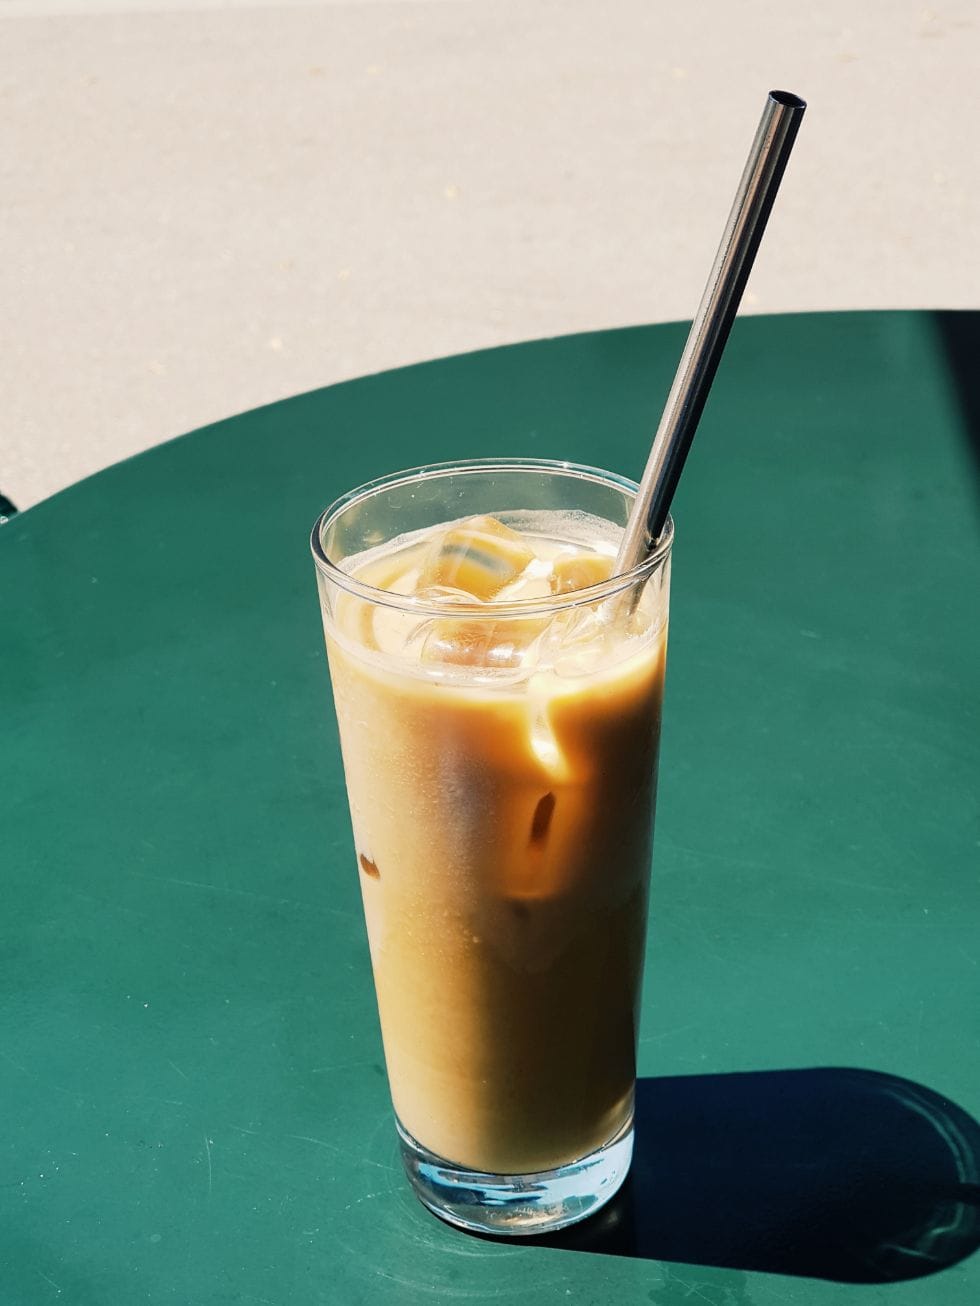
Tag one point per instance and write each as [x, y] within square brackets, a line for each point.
[787, 99]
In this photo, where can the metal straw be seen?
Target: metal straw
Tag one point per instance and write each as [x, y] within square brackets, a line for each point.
[709, 330]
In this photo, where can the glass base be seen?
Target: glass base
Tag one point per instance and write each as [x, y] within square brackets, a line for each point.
[517, 1205]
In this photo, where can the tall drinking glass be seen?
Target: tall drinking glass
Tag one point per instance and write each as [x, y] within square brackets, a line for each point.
[501, 759]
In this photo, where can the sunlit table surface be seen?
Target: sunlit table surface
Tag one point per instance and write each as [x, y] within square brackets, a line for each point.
[194, 1101]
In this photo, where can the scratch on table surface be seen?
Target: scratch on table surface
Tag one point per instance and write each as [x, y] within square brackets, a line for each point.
[445, 1291]
[382, 1192]
[667, 1033]
[239, 1129]
[178, 1069]
[339, 1151]
[693, 1289]
[870, 921]
[320, 1142]
[218, 888]
[233, 891]
[207, 1152]
[822, 879]
[80, 1100]
[726, 858]
[341, 1065]
[51, 1281]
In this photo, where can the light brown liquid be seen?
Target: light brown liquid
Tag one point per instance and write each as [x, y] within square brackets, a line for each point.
[503, 830]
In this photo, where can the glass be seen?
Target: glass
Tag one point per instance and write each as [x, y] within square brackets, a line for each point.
[501, 762]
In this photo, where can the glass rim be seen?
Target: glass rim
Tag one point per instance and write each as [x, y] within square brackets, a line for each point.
[589, 594]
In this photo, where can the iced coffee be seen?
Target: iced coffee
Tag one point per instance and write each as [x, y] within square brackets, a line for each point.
[498, 696]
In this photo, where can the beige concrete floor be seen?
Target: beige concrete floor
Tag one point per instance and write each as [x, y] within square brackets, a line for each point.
[209, 206]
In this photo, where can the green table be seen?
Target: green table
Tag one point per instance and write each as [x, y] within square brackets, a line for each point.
[194, 1103]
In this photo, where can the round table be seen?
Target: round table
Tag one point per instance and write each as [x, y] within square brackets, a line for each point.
[195, 1107]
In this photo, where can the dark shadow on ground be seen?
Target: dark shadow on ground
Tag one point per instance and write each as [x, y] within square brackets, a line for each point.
[838, 1174]
[959, 334]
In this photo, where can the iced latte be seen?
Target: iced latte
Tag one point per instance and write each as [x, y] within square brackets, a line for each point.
[498, 696]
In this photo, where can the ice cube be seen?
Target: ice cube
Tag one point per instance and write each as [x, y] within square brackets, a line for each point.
[480, 555]
[480, 642]
[579, 570]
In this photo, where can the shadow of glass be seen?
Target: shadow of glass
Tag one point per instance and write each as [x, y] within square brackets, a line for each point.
[848, 1175]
